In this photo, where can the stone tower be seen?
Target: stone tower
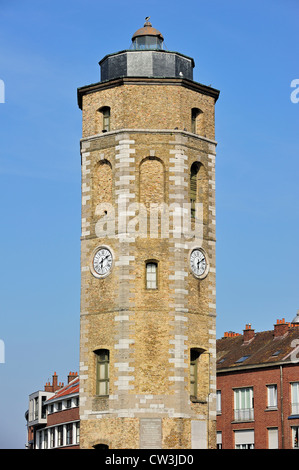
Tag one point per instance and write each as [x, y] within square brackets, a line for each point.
[148, 339]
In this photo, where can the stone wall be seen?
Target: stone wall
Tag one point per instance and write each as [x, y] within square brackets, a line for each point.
[149, 333]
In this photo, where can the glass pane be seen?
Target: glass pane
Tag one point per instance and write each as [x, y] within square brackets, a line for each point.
[106, 123]
[272, 395]
[238, 399]
[246, 399]
[295, 394]
[103, 388]
[102, 371]
[151, 275]
[243, 399]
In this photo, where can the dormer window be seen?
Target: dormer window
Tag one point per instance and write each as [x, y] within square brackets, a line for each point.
[242, 359]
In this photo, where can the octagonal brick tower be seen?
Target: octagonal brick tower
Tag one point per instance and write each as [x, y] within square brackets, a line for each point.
[148, 308]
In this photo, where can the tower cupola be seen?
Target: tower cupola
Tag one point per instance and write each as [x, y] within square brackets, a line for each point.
[146, 57]
[147, 37]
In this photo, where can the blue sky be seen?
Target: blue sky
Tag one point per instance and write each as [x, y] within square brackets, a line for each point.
[48, 49]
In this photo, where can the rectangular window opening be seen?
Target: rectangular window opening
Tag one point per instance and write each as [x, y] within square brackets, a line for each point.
[102, 372]
[151, 275]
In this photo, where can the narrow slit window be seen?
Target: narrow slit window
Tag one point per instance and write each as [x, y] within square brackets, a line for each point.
[195, 118]
[193, 186]
[151, 275]
[194, 355]
[102, 372]
[105, 111]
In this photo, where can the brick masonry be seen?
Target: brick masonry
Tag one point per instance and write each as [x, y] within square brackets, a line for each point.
[265, 418]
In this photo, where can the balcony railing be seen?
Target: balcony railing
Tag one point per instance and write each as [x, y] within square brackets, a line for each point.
[245, 414]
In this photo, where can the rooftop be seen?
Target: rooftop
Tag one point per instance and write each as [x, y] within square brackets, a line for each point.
[69, 389]
[280, 345]
[147, 30]
[147, 37]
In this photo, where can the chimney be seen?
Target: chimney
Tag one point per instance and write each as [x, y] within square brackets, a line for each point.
[280, 328]
[230, 334]
[55, 382]
[70, 377]
[48, 387]
[248, 333]
[54, 386]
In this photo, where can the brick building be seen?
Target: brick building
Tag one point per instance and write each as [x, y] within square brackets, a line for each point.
[53, 415]
[258, 388]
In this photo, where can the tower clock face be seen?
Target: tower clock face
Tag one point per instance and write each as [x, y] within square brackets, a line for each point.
[198, 263]
[102, 261]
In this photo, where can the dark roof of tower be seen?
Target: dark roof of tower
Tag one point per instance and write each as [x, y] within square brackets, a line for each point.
[147, 30]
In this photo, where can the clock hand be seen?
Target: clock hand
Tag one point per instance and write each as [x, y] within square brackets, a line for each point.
[102, 260]
[199, 262]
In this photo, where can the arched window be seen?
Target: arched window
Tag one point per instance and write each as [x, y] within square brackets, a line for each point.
[196, 121]
[105, 111]
[151, 181]
[198, 191]
[151, 275]
[102, 372]
[103, 182]
[199, 372]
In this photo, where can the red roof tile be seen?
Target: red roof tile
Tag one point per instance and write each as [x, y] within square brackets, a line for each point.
[69, 389]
